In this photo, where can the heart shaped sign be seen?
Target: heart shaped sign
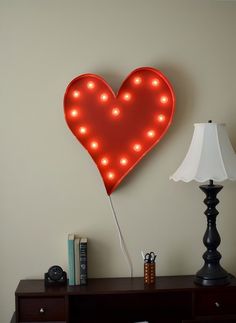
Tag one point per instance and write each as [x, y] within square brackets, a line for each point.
[119, 130]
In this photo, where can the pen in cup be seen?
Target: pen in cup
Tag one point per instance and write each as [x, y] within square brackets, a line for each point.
[149, 267]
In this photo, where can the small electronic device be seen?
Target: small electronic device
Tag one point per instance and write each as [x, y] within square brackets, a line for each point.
[55, 276]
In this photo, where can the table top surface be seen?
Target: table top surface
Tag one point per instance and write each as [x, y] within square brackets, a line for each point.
[114, 286]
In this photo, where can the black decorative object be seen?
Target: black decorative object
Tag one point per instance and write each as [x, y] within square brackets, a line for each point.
[55, 276]
[211, 273]
[210, 157]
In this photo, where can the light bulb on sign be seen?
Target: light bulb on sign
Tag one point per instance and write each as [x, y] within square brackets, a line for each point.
[110, 175]
[115, 112]
[161, 118]
[104, 97]
[127, 96]
[94, 145]
[155, 82]
[137, 147]
[74, 113]
[104, 161]
[164, 99]
[82, 130]
[137, 80]
[90, 85]
[151, 133]
[76, 94]
[123, 161]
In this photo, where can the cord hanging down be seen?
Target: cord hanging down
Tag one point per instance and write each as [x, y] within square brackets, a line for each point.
[122, 241]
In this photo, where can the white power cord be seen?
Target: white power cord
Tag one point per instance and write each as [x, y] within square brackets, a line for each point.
[122, 241]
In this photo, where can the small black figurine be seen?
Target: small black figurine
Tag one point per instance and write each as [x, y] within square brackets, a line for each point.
[55, 276]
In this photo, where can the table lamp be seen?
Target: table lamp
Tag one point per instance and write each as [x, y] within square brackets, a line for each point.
[210, 158]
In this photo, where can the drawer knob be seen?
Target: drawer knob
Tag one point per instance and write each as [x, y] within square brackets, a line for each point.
[217, 304]
[42, 310]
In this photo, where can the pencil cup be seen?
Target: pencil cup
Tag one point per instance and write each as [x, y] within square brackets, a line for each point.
[149, 273]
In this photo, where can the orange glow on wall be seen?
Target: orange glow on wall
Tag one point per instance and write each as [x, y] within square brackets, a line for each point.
[123, 128]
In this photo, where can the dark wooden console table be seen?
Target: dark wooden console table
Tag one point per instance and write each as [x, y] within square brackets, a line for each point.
[172, 299]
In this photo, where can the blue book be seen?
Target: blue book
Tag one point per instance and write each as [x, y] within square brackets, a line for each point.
[71, 259]
[83, 261]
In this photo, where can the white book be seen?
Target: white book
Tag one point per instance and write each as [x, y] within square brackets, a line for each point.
[77, 260]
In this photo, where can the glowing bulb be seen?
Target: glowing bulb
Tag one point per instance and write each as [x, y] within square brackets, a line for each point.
[161, 118]
[104, 97]
[76, 94]
[151, 133]
[110, 175]
[127, 96]
[137, 80]
[123, 161]
[82, 130]
[90, 85]
[137, 147]
[94, 145]
[115, 112]
[164, 99]
[155, 82]
[74, 113]
[104, 161]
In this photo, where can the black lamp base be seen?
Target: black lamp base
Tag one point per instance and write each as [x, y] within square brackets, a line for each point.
[216, 277]
[211, 274]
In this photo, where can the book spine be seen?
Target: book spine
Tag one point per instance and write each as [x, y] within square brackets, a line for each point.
[77, 261]
[83, 261]
[71, 260]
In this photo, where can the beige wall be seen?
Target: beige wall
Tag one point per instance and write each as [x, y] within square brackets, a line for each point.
[48, 184]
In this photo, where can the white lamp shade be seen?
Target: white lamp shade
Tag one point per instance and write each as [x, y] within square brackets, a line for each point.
[210, 156]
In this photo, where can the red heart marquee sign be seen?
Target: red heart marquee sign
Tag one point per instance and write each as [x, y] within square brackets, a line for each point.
[119, 130]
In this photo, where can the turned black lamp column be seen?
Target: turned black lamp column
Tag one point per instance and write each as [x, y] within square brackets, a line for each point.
[210, 157]
[211, 273]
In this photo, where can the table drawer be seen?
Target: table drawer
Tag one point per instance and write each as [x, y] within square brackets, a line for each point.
[40, 309]
[215, 303]
[212, 319]
[131, 307]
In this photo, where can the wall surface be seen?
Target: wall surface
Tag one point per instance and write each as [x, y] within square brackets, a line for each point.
[49, 186]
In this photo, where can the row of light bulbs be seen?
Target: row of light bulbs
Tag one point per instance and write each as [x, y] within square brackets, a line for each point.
[126, 96]
[137, 147]
[150, 133]
[115, 112]
[137, 80]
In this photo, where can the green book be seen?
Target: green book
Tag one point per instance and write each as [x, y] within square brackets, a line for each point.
[71, 259]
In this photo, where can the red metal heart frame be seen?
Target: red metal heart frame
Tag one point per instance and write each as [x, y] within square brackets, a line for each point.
[119, 130]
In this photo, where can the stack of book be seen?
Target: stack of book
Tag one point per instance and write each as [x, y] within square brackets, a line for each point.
[77, 260]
